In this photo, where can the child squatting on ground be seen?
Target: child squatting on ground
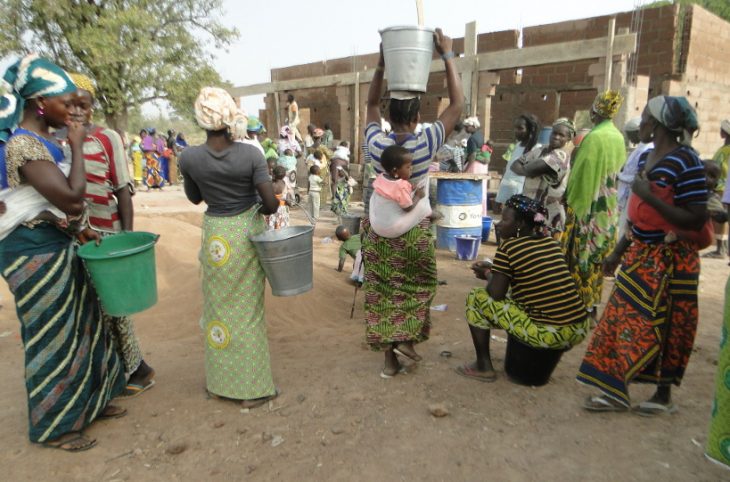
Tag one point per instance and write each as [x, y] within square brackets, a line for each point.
[351, 245]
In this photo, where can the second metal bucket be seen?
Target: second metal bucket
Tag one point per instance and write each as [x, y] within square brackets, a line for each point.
[408, 51]
[286, 256]
[352, 223]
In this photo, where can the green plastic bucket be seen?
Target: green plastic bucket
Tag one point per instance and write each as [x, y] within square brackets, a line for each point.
[122, 268]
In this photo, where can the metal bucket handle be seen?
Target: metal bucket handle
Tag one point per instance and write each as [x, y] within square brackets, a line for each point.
[311, 220]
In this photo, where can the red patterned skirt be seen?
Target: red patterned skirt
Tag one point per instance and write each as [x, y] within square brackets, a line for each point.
[648, 328]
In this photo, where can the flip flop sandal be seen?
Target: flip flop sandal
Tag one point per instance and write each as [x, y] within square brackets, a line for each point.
[468, 372]
[67, 445]
[652, 409]
[713, 255]
[600, 403]
[401, 371]
[400, 352]
[118, 412]
[135, 389]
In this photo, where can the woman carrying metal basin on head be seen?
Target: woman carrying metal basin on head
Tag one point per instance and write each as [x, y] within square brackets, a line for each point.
[230, 176]
[400, 271]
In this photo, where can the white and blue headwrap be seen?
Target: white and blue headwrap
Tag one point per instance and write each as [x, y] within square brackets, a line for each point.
[28, 78]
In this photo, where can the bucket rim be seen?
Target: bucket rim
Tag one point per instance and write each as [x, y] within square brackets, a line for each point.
[93, 254]
[396, 28]
[465, 236]
[301, 230]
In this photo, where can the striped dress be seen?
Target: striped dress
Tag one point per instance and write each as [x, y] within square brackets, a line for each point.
[544, 309]
[72, 368]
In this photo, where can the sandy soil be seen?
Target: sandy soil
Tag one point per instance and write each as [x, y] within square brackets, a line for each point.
[336, 418]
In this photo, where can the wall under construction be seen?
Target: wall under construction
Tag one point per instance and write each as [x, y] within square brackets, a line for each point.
[680, 52]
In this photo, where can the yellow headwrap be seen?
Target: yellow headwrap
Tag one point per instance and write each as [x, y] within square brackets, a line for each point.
[84, 82]
[608, 103]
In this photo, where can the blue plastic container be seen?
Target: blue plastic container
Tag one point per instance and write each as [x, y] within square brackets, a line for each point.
[460, 202]
[467, 247]
[544, 136]
[486, 228]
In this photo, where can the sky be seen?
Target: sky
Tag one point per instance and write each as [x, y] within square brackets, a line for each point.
[287, 32]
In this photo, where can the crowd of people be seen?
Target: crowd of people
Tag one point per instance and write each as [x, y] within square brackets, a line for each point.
[571, 213]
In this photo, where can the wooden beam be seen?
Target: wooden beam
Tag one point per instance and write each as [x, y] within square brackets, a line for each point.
[500, 60]
[356, 123]
[609, 52]
[470, 71]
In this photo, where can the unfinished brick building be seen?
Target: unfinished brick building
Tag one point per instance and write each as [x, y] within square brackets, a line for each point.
[678, 50]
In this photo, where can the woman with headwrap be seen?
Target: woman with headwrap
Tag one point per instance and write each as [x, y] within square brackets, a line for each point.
[109, 193]
[135, 151]
[72, 369]
[535, 302]
[478, 154]
[648, 328]
[722, 158]
[400, 272]
[232, 178]
[590, 196]
[527, 130]
[546, 172]
[153, 169]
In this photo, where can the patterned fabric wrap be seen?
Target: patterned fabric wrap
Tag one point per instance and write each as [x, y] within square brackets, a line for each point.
[28, 78]
[341, 198]
[72, 368]
[608, 103]
[153, 175]
[718, 438]
[722, 158]
[586, 243]
[676, 114]
[237, 361]
[648, 328]
[83, 82]
[400, 283]
[216, 110]
[484, 312]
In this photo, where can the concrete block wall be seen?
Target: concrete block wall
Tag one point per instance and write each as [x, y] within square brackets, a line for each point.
[705, 81]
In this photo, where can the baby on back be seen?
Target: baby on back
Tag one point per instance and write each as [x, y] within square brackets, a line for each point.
[397, 206]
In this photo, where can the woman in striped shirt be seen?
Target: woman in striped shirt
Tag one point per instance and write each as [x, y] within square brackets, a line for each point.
[529, 293]
[648, 328]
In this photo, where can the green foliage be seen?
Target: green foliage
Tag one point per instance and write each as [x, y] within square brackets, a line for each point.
[135, 50]
[721, 8]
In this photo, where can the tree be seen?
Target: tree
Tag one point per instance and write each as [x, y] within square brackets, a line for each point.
[721, 8]
[136, 50]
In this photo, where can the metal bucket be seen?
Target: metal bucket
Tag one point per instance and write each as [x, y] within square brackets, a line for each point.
[408, 51]
[286, 256]
[352, 223]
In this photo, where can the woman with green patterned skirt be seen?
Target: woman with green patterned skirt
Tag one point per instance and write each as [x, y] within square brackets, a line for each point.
[230, 177]
[718, 440]
[543, 308]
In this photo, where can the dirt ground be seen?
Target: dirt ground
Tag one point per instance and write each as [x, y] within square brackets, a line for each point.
[336, 418]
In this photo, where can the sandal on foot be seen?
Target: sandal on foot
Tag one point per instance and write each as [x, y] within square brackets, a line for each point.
[466, 371]
[413, 356]
[112, 411]
[134, 389]
[386, 375]
[652, 409]
[602, 403]
[75, 442]
[257, 402]
[713, 255]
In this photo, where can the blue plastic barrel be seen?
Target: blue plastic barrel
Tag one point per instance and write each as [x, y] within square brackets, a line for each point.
[544, 137]
[460, 202]
[486, 228]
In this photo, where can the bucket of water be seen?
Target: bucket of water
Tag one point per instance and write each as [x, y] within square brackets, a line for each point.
[527, 365]
[407, 51]
[286, 256]
[122, 269]
[352, 223]
[467, 247]
[486, 228]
